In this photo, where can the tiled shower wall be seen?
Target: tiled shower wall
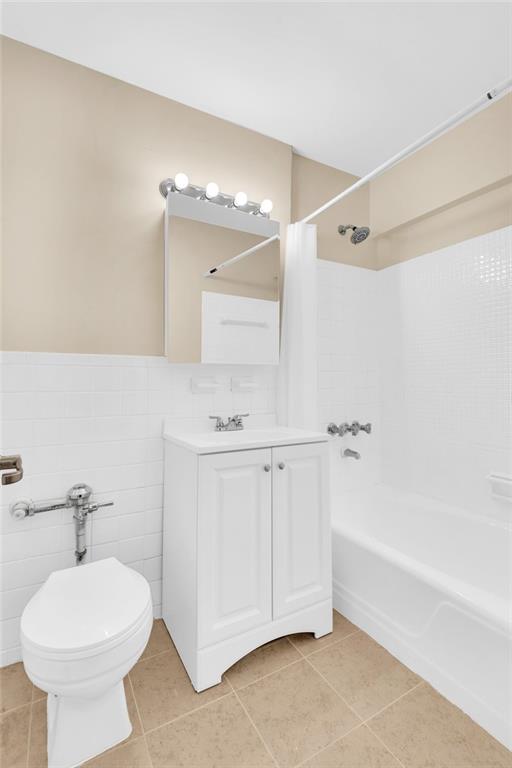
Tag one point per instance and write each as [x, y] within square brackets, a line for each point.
[348, 369]
[445, 341]
[423, 350]
[96, 419]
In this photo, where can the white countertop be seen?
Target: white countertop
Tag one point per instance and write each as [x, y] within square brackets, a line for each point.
[241, 440]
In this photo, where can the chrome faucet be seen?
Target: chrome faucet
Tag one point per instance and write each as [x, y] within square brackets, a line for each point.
[230, 424]
[354, 428]
[78, 499]
[350, 454]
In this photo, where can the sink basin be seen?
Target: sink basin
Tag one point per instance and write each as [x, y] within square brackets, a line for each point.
[243, 439]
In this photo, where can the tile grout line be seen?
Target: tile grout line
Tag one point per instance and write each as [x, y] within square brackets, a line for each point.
[365, 722]
[268, 674]
[361, 725]
[271, 754]
[383, 709]
[140, 718]
[158, 653]
[327, 746]
[386, 746]
[186, 714]
[29, 729]
[15, 709]
[330, 645]
[338, 694]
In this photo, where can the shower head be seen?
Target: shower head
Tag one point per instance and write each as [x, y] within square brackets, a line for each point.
[359, 234]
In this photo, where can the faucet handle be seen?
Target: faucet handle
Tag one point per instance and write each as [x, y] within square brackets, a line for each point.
[241, 415]
[366, 428]
[218, 422]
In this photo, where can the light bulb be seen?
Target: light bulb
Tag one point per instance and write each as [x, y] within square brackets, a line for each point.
[240, 200]
[266, 205]
[212, 190]
[181, 181]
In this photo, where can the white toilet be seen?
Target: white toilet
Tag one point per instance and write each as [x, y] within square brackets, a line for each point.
[82, 631]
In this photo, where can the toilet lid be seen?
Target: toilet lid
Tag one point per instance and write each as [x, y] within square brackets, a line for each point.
[78, 608]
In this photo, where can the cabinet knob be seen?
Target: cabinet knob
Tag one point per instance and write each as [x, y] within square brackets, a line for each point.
[281, 465]
[267, 467]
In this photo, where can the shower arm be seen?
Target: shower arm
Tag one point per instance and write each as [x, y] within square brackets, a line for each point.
[458, 117]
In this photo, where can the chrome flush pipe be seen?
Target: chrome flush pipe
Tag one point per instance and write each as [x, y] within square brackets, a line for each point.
[78, 498]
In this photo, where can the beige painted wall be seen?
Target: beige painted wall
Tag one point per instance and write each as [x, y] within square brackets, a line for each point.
[312, 185]
[472, 216]
[457, 187]
[83, 260]
[468, 159]
[83, 154]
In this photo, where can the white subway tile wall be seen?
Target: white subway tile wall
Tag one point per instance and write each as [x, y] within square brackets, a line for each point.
[348, 369]
[97, 419]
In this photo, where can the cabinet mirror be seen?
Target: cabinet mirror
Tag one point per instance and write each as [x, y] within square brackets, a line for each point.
[231, 316]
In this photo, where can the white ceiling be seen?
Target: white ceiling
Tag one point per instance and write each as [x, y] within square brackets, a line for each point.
[348, 84]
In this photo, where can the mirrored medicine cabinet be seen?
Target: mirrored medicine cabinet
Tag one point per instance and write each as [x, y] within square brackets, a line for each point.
[231, 317]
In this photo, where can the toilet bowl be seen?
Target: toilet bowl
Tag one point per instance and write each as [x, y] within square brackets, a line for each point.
[81, 633]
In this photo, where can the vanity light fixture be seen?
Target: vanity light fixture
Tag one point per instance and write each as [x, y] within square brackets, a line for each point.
[240, 200]
[212, 190]
[181, 181]
[212, 194]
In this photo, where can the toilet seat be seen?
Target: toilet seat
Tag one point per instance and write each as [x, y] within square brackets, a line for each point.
[83, 611]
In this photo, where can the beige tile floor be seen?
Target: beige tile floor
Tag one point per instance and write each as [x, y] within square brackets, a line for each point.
[338, 702]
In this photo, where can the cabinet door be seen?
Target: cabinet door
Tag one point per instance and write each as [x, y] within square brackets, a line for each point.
[301, 527]
[234, 544]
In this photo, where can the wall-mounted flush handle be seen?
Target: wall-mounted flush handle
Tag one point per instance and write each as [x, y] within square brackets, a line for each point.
[267, 467]
[281, 465]
[94, 506]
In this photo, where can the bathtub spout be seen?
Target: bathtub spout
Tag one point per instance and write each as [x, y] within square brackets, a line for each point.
[350, 454]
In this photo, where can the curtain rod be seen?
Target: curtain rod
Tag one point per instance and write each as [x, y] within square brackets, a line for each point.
[411, 148]
[240, 256]
[489, 96]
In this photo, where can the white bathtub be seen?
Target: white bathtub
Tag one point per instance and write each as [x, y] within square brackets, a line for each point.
[433, 585]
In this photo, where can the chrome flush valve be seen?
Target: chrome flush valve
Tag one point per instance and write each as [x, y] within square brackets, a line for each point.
[78, 497]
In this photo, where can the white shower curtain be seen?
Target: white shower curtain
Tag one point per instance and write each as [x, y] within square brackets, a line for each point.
[298, 369]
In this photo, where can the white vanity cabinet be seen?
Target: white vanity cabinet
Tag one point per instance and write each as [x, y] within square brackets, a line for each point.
[247, 553]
